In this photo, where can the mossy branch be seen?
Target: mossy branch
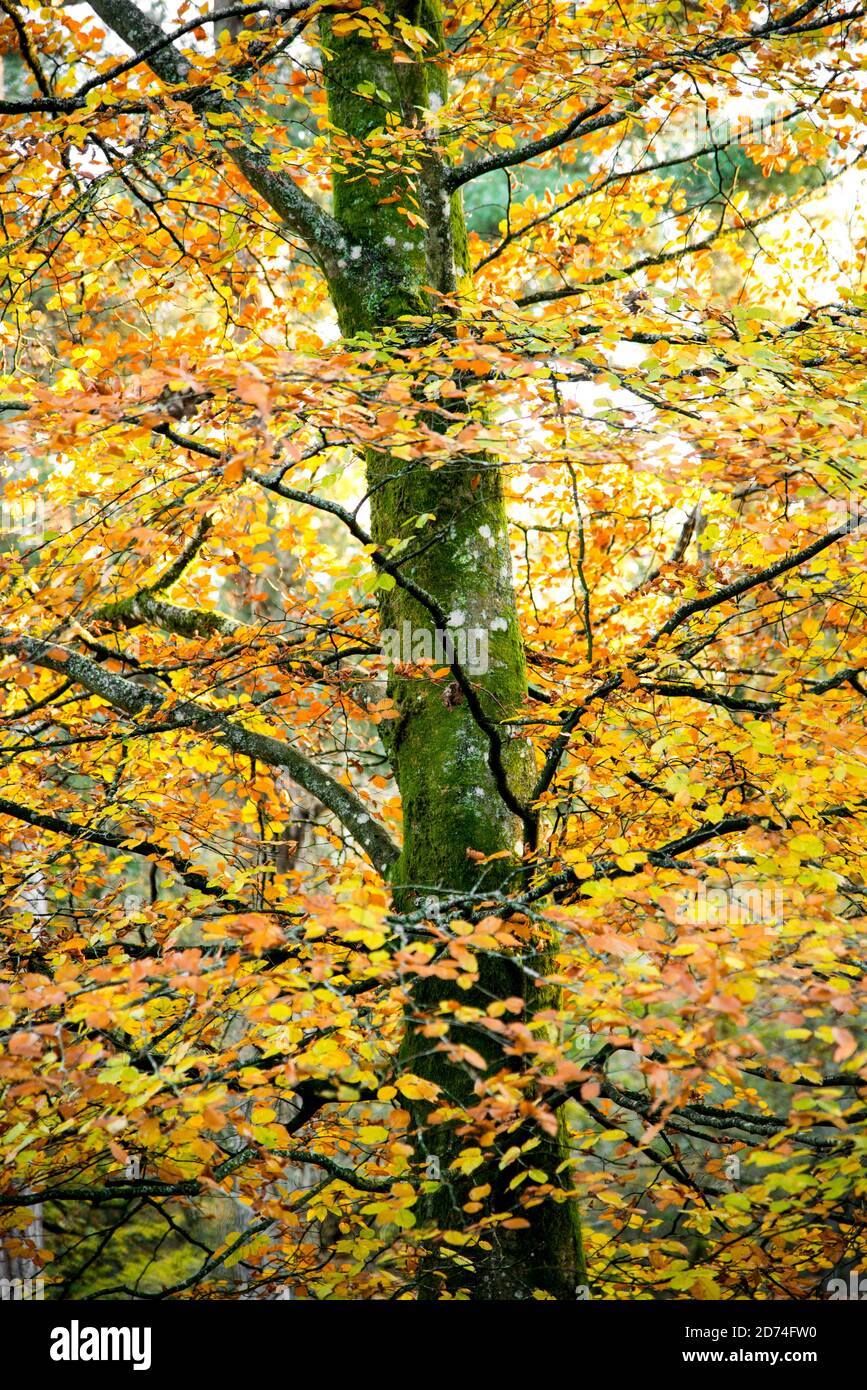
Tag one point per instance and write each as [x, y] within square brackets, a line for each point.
[149, 606]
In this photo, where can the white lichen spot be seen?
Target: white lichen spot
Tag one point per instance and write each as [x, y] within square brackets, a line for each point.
[456, 618]
[499, 625]
[355, 253]
[390, 241]
[486, 534]
[435, 101]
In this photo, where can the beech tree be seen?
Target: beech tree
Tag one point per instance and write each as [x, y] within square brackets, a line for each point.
[432, 645]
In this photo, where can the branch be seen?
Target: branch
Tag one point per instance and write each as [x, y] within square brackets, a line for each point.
[684, 690]
[158, 46]
[618, 176]
[337, 1170]
[680, 616]
[664, 856]
[135, 700]
[27, 50]
[193, 878]
[190, 1187]
[752, 581]
[99, 1196]
[677, 253]
[488, 726]
[148, 607]
[592, 119]
[320, 232]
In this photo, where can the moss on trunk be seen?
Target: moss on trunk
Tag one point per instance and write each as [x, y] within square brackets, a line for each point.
[439, 753]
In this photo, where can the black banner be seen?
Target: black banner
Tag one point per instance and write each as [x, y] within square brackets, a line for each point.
[680, 1340]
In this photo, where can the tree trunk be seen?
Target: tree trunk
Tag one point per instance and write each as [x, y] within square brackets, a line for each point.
[456, 794]
[463, 773]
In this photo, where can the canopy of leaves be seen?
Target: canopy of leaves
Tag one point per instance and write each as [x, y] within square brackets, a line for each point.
[656, 339]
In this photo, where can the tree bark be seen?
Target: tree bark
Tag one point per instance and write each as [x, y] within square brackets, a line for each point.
[463, 773]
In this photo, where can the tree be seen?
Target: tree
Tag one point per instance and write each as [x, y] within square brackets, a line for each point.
[301, 869]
